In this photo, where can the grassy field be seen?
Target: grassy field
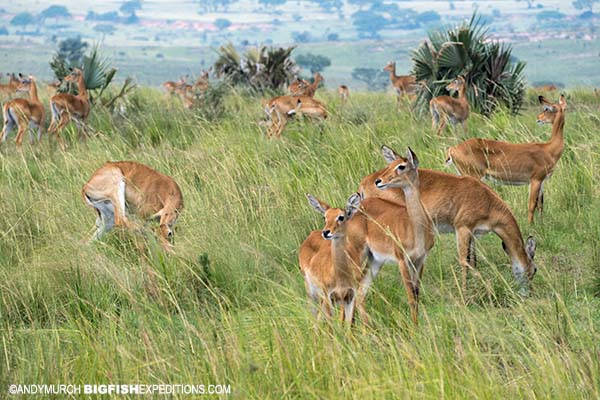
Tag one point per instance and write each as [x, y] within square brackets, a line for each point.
[229, 307]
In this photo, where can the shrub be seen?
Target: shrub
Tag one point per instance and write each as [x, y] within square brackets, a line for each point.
[492, 77]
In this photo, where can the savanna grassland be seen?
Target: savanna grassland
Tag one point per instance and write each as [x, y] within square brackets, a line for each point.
[229, 306]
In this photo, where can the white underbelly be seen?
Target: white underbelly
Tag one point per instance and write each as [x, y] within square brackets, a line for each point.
[382, 258]
[505, 182]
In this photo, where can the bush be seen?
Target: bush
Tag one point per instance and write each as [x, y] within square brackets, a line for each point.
[222, 23]
[374, 78]
[547, 15]
[3, 31]
[302, 37]
[314, 62]
[492, 78]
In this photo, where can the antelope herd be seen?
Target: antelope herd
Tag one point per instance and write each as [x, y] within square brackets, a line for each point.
[393, 217]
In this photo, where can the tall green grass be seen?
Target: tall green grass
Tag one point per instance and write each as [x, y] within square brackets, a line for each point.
[229, 306]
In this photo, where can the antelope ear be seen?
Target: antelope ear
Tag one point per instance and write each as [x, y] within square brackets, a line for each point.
[563, 102]
[530, 246]
[543, 100]
[388, 154]
[317, 204]
[412, 158]
[352, 204]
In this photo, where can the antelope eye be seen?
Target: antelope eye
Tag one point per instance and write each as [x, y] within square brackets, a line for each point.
[401, 167]
[340, 218]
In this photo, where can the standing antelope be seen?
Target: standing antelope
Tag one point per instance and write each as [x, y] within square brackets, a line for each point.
[171, 86]
[66, 107]
[280, 109]
[301, 87]
[516, 163]
[344, 93]
[403, 84]
[448, 108]
[24, 113]
[467, 207]
[384, 231]
[9, 88]
[118, 186]
[317, 253]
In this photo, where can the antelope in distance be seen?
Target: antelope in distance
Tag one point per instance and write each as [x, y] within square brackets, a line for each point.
[448, 108]
[123, 186]
[66, 107]
[171, 86]
[8, 89]
[344, 93]
[301, 87]
[282, 108]
[403, 84]
[316, 257]
[24, 113]
[466, 207]
[380, 232]
[516, 163]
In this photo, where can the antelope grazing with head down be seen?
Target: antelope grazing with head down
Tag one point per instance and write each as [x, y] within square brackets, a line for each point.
[282, 108]
[467, 207]
[448, 108]
[66, 107]
[118, 187]
[24, 113]
[516, 163]
[403, 84]
[317, 254]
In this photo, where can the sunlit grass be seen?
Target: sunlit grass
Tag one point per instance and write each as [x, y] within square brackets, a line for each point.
[229, 306]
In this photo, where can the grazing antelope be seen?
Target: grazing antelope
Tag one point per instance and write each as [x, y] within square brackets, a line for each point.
[448, 108]
[301, 87]
[282, 108]
[24, 113]
[317, 253]
[516, 163]
[8, 89]
[403, 84]
[123, 186]
[467, 207]
[344, 93]
[66, 107]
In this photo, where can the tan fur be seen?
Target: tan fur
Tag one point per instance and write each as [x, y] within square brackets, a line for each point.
[147, 193]
[465, 206]
[25, 113]
[301, 87]
[66, 107]
[280, 109]
[404, 84]
[516, 163]
[9, 89]
[448, 108]
[344, 93]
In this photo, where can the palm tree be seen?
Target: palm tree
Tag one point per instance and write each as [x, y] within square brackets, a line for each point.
[492, 76]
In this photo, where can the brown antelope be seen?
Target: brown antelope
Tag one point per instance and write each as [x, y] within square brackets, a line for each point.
[301, 87]
[24, 113]
[9, 88]
[123, 186]
[282, 108]
[383, 231]
[317, 253]
[403, 84]
[202, 82]
[467, 207]
[516, 163]
[52, 87]
[344, 93]
[546, 88]
[66, 107]
[448, 108]
[171, 86]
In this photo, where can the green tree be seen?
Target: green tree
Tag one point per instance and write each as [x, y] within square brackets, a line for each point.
[492, 77]
[585, 4]
[368, 23]
[272, 2]
[105, 29]
[374, 78]
[130, 7]
[313, 62]
[23, 19]
[222, 23]
[55, 11]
